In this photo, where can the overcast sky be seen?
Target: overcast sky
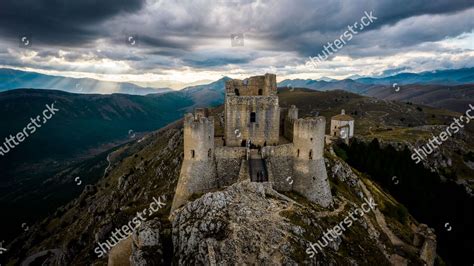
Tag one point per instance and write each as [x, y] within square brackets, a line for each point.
[177, 42]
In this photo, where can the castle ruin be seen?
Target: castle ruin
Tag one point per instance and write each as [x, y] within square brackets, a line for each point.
[257, 145]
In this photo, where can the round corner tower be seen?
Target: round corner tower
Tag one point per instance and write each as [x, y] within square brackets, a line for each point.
[198, 169]
[198, 137]
[309, 168]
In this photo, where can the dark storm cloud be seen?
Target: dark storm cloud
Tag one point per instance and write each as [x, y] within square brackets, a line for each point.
[58, 22]
[410, 33]
[196, 33]
[307, 31]
[162, 42]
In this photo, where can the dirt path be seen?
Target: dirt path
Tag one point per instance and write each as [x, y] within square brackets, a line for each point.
[31, 259]
[120, 254]
[335, 212]
[108, 166]
[383, 224]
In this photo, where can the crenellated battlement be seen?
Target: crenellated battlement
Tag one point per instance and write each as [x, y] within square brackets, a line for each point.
[252, 109]
[194, 122]
[309, 123]
[253, 86]
[198, 136]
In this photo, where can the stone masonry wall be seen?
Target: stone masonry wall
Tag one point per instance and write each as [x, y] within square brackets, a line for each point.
[337, 124]
[265, 129]
[253, 86]
[311, 181]
[290, 119]
[195, 177]
[198, 138]
[279, 160]
[228, 162]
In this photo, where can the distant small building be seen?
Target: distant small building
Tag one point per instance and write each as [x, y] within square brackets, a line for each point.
[342, 126]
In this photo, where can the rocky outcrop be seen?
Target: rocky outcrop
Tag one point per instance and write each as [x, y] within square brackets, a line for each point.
[147, 246]
[343, 172]
[239, 225]
[252, 224]
[425, 239]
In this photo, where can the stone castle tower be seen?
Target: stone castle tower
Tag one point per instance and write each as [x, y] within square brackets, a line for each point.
[251, 107]
[198, 169]
[253, 148]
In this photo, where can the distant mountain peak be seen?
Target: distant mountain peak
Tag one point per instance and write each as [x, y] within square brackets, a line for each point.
[16, 79]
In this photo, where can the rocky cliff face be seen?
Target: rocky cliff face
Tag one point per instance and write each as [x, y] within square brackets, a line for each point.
[147, 246]
[238, 225]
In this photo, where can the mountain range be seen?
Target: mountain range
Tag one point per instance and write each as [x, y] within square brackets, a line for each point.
[360, 84]
[96, 120]
[15, 79]
[448, 89]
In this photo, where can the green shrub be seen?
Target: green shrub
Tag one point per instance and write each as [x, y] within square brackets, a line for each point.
[398, 212]
[340, 152]
[469, 156]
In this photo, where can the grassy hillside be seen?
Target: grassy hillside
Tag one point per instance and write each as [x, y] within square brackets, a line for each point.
[38, 175]
[85, 124]
[451, 97]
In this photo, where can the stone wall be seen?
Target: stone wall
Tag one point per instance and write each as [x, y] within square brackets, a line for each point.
[265, 129]
[311, 181]
[290, 119]
[279, 161]
[195, 177]
[253, 86]
[308, 138]
[228, 164]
